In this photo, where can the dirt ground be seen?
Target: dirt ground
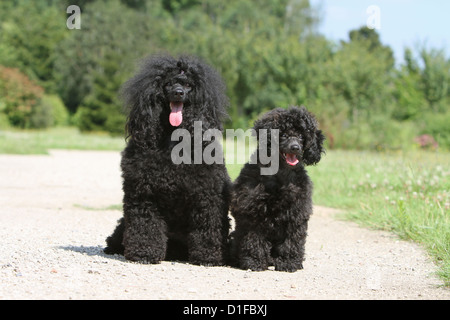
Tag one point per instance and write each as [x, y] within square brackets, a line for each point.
[54, 218]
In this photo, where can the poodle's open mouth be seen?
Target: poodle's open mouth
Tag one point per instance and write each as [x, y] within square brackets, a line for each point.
[176, 113]
[291, 159]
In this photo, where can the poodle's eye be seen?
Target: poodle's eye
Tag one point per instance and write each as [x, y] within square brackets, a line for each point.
[284, 135]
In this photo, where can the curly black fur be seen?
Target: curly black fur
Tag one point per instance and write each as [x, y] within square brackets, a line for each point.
[172, 212]
[272, 211]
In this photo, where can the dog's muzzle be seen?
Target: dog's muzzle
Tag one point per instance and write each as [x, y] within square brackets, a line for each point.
[177, 98]
[292, 153]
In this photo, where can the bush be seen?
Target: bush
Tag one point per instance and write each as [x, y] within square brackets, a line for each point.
[41, 117]
[20, 97]
[49, 112]
[378, 133]
[23, 103]
[4, 122]
[58, 110]
[437, 125]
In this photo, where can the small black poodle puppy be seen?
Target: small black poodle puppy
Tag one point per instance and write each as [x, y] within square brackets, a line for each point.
[172, 210]
[272, 211]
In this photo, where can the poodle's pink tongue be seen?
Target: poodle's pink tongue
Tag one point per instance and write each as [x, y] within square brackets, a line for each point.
[176, 113]
[291, 159]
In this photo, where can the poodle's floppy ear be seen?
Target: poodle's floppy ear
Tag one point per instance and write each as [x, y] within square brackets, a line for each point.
[138, 107]
[314, 140]
[141, 93]
[209, 91]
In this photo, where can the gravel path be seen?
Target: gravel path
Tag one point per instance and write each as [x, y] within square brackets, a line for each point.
[54, 220]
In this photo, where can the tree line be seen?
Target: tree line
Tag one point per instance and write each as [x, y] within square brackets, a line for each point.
[268, 52]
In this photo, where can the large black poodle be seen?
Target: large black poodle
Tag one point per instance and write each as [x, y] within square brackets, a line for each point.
[272, 211]
[172, 210]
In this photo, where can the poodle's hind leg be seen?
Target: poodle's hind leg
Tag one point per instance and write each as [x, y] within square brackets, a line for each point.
[114, 241]
[145, 235]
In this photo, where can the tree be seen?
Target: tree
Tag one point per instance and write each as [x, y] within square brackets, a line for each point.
[102, 110]
[371, 39]
[435, 77]
[107, 27]
[30, 34]
[362, 70]
[408, 93]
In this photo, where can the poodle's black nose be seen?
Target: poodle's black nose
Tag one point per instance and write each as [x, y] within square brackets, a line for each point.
[179, 93]
[295, 147]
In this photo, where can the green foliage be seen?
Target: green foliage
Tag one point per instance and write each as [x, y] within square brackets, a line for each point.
[107, 28]
[269, 54]
[57, 111]
[19, 96]
[361, 72]
[437, 125]
[41, 116]
[23, 103]
[371, 41]
[410, 100]
[101, 110]
[435, 77]
[28, 36]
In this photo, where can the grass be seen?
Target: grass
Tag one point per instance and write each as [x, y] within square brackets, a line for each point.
[404, 193]
[40, 141]
[113, 207]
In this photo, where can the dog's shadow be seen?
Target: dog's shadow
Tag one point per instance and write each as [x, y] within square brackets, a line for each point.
[98, 251]
[92, 251]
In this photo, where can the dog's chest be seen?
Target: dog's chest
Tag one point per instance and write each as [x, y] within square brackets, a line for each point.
[287, 202]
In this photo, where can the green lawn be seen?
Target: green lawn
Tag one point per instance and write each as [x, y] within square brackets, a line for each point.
[405, 193]
[39, 141]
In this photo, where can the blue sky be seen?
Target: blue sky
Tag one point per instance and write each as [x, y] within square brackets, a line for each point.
[402, 22]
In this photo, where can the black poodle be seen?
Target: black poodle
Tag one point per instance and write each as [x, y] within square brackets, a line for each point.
[272, 211]
[172, 210]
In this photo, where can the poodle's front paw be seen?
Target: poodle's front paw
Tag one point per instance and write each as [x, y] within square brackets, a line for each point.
[112, 250]
[216, 263]
[206, 259]
[143, 258]
[287, 266]
[247, 263]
